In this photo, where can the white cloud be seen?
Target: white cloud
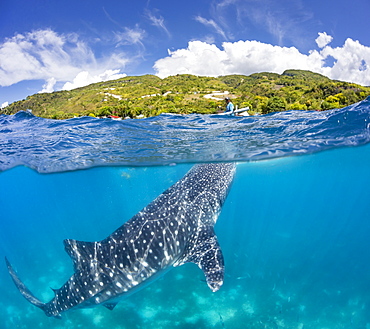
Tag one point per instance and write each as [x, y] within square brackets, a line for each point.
[157, 21]
[47, 55]
[3, 105]
[84, 78]
[41, 55]
[199, 59]
[211, 23]
[48, 87]
[130, 36]
[352, 60]
[323, 39]
[242, 57]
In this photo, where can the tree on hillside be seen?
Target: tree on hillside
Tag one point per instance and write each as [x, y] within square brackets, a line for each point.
[275, 104]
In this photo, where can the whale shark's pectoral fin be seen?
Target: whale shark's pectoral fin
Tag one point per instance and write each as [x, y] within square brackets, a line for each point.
[206, 253]
[80, 252]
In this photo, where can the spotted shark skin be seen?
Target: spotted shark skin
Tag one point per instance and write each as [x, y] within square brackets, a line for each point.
[174, 229]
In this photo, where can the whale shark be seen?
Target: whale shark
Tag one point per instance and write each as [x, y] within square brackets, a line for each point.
[174, 229]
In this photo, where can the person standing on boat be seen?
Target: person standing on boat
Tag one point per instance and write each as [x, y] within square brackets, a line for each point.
[229, 106]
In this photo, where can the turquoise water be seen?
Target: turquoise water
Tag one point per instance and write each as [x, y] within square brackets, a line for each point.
[294, 229]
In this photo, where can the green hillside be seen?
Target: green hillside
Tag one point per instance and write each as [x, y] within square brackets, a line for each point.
[149, 95]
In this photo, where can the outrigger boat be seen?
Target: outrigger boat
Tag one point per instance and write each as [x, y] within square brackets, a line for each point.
[243, 112]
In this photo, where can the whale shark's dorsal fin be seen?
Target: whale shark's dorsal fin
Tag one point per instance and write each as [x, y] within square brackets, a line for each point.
[206, 253]
[80, 251]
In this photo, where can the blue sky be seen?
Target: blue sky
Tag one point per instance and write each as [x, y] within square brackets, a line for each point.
[48, 45]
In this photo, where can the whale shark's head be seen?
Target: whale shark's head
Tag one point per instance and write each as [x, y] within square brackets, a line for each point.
[208, 189]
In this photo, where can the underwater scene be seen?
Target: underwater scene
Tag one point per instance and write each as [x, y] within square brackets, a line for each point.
[294, 229]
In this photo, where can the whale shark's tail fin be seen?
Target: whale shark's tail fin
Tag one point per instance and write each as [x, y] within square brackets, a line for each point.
[26, 293]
